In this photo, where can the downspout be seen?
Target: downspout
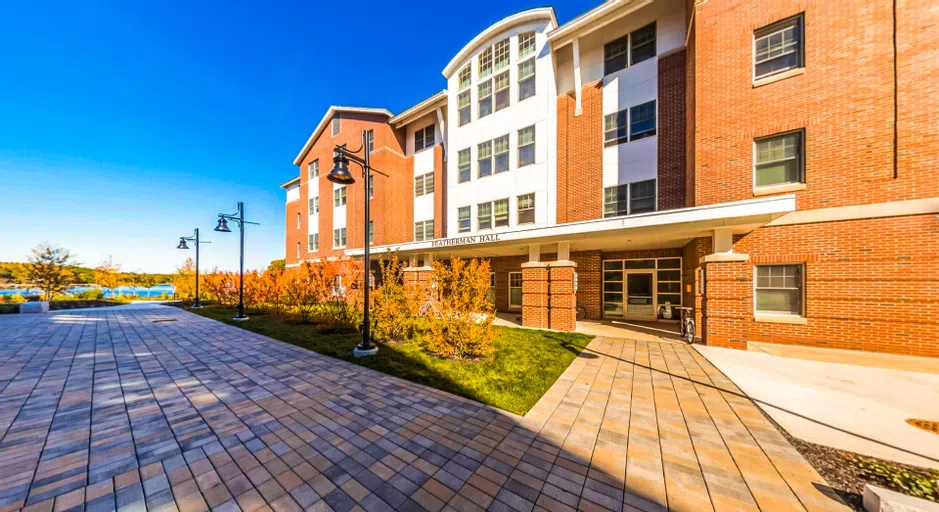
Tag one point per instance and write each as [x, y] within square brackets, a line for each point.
[896, 136]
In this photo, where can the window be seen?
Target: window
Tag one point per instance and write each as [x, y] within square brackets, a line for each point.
[526, 146]
[526, 45]
[502, 91]
[526, 79]
[501, 149]
[779, 289]
[642, 121]
[502, 54]
[466, 77]
[614, 201]
[371, 187]
[491, 294]
[484, 158]
[314, 242]
[464, 220]
[370, 140]
[339, 196]
[423, 230]
[668, 288]
[642, 44]
[642, 196]
[485, 63]
[371, 232]
[298, 249]
[337, 124]
[615, 55]
[464, 162]
[316, 204]
[424, 138]
[424, 184]
[298, 221]
[484, 215]
[777, 48]
[778, 160]
[615, 128]
[314, 168]
[465, 107]
[500, 210]
[515, 290]
[485, 99]
[526, 209]
[339, 237]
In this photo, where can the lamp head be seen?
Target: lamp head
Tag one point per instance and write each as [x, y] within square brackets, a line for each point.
[222, 225]
[340, 172]
[182, 244]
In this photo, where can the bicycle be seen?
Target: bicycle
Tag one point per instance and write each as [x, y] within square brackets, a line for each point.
[687, 324]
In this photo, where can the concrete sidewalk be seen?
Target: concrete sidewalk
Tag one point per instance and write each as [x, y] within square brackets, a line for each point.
[862, 409]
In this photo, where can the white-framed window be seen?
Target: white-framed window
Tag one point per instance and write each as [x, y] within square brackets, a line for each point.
[465, 77]
[316, 204]
[484, 159]
[313, 201]
[526, 79]
[526, 146]
[370, 140]
[630, 49]
[491, 294]
[778, 159]
[339, 238]
[314, 242]
[464, 103]
[778, 47]
[616, 55]
[313, 168]
[526, 209]
[485, 63]
[424, 230]
[485, 99]
[501, 52]
[515, 290]
[424, 184]
[371, 187]
[298, 221]
[484, 216]
[339, 196]
[424, 138]
[629, 198]
[336, 124]
[464, 163]
[500, 212]
[779, 289]
[464, 219]
[371, 232]
[616, 128]
[500, 148]
[298, 250]
[526, 44]
[502, 91]
[642, 121]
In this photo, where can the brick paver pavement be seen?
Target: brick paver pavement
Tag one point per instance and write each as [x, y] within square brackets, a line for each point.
[164, 410]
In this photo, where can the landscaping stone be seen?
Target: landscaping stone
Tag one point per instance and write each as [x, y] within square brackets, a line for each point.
[878, 499]
[34, 307]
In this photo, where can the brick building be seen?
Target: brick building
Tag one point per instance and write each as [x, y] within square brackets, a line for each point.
[771, 163]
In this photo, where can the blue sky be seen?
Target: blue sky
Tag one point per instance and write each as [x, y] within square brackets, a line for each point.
[124, 125]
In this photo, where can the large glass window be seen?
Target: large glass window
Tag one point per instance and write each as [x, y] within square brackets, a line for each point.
[501, 150]
[502, 91]
[314, 168]
[484, 215]
[616, 128]
[616, 55]
[464, 219]
[526, 146]
[339, 196]
[642, 196]
[485, 63]
[465, 77]
[485, 99]
[526, 79]
[628, 288]
[424, 184]
[370, 140]
[526, 45]
[314, 242]
[615, 201]
[642, 121]
[779, 289]
[642, 44]
[423, 230]
[777, 48]
[484, 159]
[501, 54]
[424, 138]
[526, 209]
[464, 164]
[465, 107]
[339, 238]
[778, 160]
[500, 210]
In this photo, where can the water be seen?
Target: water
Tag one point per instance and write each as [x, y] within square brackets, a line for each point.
[125, 291]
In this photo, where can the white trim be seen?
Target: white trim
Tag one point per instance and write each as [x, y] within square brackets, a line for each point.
[593, 20]
[512, 307]
[333, 109]
[857, 212]
[419, 110]
[780, 318]
[540, 13]
[778, 189]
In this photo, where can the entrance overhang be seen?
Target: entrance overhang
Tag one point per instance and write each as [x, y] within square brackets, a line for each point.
[653, 230]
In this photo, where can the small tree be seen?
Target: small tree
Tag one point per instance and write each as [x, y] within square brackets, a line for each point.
[185, 280]
[395, 304]
[278, 265]
[464, 328]
[108, 275]
[49, 269]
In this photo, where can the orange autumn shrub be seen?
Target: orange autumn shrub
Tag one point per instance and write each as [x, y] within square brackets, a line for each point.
[464, 328]
[394, 310]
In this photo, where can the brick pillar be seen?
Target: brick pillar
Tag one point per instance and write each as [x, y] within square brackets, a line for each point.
[418, 277]
[535, 295]
[563, 301]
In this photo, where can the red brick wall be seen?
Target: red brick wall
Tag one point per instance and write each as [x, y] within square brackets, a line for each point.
[580, 156]
[870, 285]
[671, 131]
[844, 100]
[295, 234]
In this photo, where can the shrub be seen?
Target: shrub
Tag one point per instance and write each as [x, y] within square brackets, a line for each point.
[221, 287]
[464, 328]
[395, 304]
[91, 294]
[12, 299]
[923, 484]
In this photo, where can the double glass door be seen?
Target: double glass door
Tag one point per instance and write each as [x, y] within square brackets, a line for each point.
[642, 289]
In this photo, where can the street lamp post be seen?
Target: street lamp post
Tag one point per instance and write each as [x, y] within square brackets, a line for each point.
[340, 174]
[182, 245]
[222, 227]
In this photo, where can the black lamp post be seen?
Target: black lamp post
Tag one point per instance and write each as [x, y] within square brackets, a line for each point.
[222, 227]
[340, 174]
[182, 245]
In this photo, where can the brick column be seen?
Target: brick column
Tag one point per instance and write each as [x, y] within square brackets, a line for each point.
[418, 277]
[535, 294]
[563, 301]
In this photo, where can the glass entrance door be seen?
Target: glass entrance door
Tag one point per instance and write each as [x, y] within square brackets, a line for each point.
[640, 298]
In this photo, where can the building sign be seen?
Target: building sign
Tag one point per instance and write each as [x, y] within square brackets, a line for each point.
[465, 240]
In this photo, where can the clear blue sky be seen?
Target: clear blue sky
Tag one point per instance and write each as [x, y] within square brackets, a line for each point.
[124, 125]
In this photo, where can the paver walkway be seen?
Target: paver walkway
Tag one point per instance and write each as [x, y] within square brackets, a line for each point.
[162, 409]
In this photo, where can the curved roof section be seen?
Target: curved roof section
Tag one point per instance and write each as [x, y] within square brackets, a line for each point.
[540, 13]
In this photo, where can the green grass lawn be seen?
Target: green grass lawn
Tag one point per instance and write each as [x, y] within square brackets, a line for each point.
[526, 362]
